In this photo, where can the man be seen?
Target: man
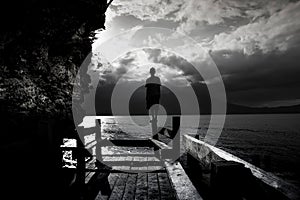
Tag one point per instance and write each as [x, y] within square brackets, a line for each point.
[153, 94]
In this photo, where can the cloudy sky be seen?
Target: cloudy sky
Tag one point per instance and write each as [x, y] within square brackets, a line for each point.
[255, 45]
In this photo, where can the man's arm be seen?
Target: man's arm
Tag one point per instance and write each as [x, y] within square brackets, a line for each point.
[146, 85]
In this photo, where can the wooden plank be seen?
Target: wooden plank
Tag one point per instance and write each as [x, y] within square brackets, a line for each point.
[200, 151]
[208, 154]
[117, 169]
[130, 187]
[181, 183]
[141, 187]
[125, 143]
[91, 163]
[112, 179]
[88, 176]
[128, 154]
[166, 191]
[98, 150]
[133, 163]
[90, 145]
[118, 190]
[130, 158]
[153, 190]
[159, 144]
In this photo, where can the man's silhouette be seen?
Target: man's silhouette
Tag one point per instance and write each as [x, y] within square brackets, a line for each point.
[152, 94]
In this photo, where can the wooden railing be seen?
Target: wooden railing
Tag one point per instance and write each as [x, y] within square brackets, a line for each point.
[90, 158]
[236, 175]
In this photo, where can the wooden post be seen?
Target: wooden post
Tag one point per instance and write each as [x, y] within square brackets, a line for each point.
[176, 136]
[80, 162]
[154, 129]
[98, 139]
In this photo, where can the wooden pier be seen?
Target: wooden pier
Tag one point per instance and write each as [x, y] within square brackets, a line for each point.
[159, 172]
[152, 175]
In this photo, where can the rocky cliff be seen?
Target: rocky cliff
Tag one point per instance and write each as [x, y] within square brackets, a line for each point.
[43, 43]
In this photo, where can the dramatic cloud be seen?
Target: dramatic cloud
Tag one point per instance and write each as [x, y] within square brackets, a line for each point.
[171, 68]
[176, 62]
[255, 25]
[259, 78]
[279, 32]
[189, 14]
[145, 9]
[255, 45]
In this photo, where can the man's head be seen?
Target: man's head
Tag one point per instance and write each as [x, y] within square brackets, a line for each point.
[152, 71]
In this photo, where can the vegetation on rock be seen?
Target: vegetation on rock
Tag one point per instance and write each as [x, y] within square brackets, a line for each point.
[42, 46]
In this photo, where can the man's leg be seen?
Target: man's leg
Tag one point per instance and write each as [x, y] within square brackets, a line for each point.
[154, 121]
[155, 111]
[151, 112]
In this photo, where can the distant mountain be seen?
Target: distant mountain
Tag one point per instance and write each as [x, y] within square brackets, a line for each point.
[238, 109]
[137, 103]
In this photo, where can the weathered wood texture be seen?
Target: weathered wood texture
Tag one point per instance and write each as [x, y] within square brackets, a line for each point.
[90, 135]
[130, 187]
[137, 186]
[141, 187]
[153, 191]
[201, 151]
[181, 183]
[207, 154]
[119, 188]
[134, 185]
[104, 195]
[165, 188]
[159, 144]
